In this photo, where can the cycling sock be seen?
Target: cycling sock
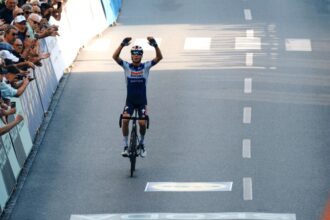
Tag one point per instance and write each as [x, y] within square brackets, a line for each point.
[142, 139]
[125, 140]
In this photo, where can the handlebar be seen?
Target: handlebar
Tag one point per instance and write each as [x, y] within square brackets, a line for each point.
[146, 118]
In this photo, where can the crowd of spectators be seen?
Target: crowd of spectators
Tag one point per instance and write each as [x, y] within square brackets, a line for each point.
[22, 24]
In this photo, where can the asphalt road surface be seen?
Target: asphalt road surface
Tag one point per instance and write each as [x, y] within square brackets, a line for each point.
[239, 109]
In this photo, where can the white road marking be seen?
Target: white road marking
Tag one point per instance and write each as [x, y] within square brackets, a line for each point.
[249, 33]
[247, 14]
[143, 42]
[298, 45]
[248, 85]
[247, 115]
[188, 216]
[247, 188]
[246, 152]
[197, 43]
[249, 59]
[248, 43]
[188, 186]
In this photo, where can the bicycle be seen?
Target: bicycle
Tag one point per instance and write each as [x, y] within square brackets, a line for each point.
[133, 148]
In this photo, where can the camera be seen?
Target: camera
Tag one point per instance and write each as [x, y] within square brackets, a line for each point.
[13, 105]
[19, 77]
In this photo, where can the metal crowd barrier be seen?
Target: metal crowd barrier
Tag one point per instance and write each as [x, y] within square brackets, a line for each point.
[16, 145]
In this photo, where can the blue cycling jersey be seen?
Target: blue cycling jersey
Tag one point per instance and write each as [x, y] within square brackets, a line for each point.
[136, 81]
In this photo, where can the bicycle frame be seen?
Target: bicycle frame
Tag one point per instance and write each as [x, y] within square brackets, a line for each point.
[134, 139]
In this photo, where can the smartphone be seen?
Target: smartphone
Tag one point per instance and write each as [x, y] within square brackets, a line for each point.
[6, 101]
[13, 105]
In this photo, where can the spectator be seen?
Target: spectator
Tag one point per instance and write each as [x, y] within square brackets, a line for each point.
[27, 9]
[18, 70]
[35, 3]
[33, 25]
[6, 108]
[11, 34]
[5, 111]
[21, 2]
[20, 24]
[2, 4]
[5, 129]
[7, 12]
[14, 75]
[17, 11]
[18, 52]
[7, 90]
[36, 10]
[54, 9]
[5, 46]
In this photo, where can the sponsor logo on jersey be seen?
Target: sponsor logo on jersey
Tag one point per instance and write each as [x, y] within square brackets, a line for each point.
[136, 73]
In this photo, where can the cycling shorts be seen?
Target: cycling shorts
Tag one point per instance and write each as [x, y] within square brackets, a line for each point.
[142, 109]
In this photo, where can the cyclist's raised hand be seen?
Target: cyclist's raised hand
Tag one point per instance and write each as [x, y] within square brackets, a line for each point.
[126, 41]
[152, 42]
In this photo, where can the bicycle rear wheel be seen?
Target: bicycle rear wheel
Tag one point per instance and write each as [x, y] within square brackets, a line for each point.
[132, 150]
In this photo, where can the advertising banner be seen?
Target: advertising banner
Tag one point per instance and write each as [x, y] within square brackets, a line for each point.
[6, 143]
[111, 10]
[55, 57]
[22, 129]
[32, 108]
[116, 6]
[45, 79]
[6, 172]
[3, 192]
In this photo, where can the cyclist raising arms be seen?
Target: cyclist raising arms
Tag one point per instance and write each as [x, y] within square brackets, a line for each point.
[136, 74]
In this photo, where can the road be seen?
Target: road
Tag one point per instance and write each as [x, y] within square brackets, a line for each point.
[240, 118]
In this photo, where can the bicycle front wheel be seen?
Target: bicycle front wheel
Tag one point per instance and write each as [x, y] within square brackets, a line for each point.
[132, 150]
[133, 161]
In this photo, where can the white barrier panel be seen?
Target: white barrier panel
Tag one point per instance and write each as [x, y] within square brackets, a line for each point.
[32, 108]
[6, 173]
[46, 79]
[81, 21]
[9, 150]
[22, 127]
[3, 192]
[55, 57]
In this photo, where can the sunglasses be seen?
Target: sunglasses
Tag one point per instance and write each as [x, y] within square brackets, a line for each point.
[34, 22]
[137, 52]
[19, 14]
[27, 12]
[14, 34]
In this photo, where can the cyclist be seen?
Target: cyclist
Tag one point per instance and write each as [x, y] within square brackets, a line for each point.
[136, 74]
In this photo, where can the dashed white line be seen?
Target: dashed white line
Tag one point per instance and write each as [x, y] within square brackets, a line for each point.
[247, 43]
[247, 188]
[249, 59]
[248, 85]
[246, 152]
[247, 115]
[247, 14]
